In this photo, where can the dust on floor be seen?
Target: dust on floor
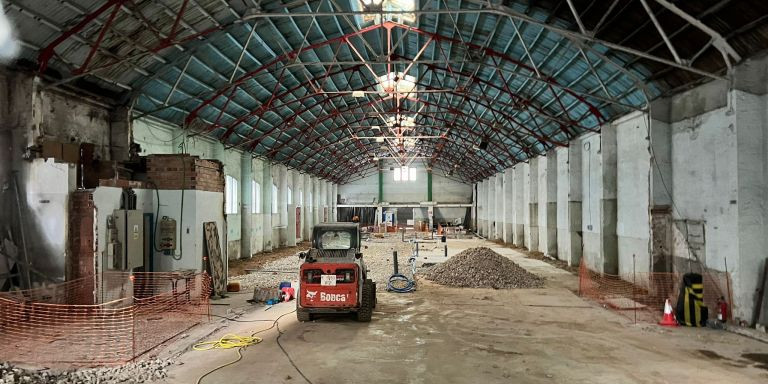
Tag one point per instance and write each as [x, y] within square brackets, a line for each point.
[458, 335]
[240, 267]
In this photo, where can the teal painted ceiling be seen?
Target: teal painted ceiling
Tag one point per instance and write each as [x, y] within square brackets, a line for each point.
[335, 87]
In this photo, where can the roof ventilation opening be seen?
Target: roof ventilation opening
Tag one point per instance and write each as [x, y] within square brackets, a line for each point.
[384, 6]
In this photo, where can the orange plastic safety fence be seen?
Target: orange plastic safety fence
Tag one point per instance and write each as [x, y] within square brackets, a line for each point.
[645, 293]
[104, 319]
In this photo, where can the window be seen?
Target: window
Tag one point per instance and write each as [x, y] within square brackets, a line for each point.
[404, 174]
[255, 197]
[335, 240]
[274, 198]
[290, 195]
[230, 195]
[392, 6]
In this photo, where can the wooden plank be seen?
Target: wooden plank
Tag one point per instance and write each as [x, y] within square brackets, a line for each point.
[215, 263]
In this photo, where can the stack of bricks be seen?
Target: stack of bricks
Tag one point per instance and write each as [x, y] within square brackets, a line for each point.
[185, 172]
[81, 263]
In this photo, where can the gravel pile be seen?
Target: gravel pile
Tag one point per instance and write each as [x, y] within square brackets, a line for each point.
[378, 260]
[138, 372]
[482, 268]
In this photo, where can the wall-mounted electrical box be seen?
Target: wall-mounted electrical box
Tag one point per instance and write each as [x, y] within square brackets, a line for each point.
[130, 237]
[167, 234]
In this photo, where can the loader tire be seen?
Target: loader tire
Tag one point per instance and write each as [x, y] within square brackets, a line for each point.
[303, 315]
[366, 302]
[375, 300]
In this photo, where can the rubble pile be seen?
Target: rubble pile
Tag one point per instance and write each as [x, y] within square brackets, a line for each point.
[137, 372]
[482, 268]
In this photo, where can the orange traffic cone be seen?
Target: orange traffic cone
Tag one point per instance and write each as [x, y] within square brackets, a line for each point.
[669, 318]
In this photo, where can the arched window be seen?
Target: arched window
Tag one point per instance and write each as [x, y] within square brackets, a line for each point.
[255, 197]
[231, 203]
[274, 198]
[290, 196]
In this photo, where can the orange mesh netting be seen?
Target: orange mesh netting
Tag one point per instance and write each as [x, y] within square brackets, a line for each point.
[109, 318]
[643, 294]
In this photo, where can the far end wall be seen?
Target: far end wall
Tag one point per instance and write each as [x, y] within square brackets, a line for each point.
[444, 190]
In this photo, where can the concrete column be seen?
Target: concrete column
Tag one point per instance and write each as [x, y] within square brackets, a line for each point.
[329, 200]
[498, 195]
[482, 196]
[335, 203]
[323, 200]
[490, 212]
[532, 204]
[599, 209]
[315, 202]
[246, 197]
[752, 164]
[508, 206]
[282, 204]
[569, 203]
[473, 219]
[633, 220]
[306, 211]
[266, 202]
[518, 206]
[298, 201]
[551, 206]
[542, 176]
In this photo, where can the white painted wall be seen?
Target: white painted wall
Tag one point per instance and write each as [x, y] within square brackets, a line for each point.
[199, 207]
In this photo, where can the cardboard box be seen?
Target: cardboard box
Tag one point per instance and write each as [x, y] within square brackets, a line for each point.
[70, 153]
[52, 150]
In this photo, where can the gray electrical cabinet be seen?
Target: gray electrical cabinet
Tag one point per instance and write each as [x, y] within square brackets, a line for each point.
[130, 235]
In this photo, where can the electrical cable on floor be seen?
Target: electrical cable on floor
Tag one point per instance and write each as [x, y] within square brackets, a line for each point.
[227, 341]
[231, 342]
[399, 283]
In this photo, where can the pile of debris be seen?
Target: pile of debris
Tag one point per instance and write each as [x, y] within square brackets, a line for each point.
[137, 372]
[482, 268]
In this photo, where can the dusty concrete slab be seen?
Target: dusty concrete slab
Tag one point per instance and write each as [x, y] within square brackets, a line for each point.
[453, 335]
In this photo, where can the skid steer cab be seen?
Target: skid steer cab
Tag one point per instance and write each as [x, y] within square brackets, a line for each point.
[333, 278]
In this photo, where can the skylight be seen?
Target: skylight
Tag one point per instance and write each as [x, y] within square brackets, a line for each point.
[390, 6]
[397, 83]
[405, 122]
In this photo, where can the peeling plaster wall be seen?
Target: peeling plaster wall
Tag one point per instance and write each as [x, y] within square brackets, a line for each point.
[30, 115]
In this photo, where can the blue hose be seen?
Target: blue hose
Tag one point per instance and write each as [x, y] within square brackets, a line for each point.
[409, 286]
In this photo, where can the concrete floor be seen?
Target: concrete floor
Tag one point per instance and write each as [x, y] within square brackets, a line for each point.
[447, 335]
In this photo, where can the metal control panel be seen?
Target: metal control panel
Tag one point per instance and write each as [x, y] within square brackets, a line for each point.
[130, 236]
[167, 234]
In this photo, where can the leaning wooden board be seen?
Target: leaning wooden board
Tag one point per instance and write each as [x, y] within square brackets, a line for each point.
[215, 264]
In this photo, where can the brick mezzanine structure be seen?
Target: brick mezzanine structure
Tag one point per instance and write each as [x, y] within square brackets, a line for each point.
[182, 171]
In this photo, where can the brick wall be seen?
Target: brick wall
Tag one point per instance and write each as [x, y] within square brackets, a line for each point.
[184, 171]
[81, 261]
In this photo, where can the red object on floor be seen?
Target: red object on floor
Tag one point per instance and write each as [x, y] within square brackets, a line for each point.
[669, 318]
[289, 293]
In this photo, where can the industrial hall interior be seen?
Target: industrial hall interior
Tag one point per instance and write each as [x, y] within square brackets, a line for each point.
[383, 191]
